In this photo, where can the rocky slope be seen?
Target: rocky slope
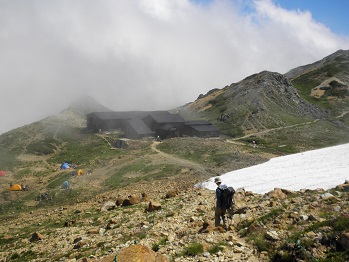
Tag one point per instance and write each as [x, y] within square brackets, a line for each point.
[171, 218]
[341, 56]
[296, 106]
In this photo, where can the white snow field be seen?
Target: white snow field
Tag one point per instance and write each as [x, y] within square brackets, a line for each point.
[322, 168]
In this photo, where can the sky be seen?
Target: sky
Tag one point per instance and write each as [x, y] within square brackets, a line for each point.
[322, 168]
[151, 54]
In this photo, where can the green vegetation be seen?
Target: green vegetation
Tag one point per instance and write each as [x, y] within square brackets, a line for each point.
[337, 225]
[58, 180]
[306, 82]
[215, 249]
[215, 153]
[139, 170]
[193, 249]
[43, 147]
[8, 160]
[162, 242]
[85, 151]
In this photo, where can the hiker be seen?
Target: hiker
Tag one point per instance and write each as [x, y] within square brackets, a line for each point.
[223, 203]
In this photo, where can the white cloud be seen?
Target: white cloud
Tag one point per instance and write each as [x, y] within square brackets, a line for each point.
[141, 54]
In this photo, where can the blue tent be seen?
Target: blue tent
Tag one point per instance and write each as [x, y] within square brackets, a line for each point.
[65, 166]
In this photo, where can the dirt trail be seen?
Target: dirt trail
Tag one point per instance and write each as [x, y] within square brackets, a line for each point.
[343, 114]
[234, 140]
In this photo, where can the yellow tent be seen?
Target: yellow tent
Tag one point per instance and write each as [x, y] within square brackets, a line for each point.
[80, 172]
[15, 187]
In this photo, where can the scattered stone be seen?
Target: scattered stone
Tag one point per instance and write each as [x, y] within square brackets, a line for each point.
[93, 231]
[327, 196]
[272, 235]
[108, 206]
[69, 223]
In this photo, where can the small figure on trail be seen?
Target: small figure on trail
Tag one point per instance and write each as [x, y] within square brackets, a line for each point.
[224, 202]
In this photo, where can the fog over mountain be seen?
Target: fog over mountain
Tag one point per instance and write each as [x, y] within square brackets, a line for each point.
[143, 55]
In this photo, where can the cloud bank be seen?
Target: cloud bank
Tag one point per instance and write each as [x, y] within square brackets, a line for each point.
[143, 54]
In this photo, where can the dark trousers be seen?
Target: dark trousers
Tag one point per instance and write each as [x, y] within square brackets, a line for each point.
[219, 214]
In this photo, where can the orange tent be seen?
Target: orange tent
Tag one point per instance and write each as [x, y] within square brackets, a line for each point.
[80, 172]
[15, 187]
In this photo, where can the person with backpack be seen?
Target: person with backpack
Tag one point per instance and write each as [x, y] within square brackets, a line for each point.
[224, 202]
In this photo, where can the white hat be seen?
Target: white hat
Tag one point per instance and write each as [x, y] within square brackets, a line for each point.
[217, 180]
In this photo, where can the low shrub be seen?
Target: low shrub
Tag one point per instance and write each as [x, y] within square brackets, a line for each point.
[193, 249]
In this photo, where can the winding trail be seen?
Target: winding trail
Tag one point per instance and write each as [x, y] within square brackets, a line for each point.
[343, 114]
[279, 128]
[269, 130]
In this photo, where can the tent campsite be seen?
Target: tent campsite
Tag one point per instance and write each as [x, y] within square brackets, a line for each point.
[65, 166]
[16, 187]
[2, 173]
[78, 173]
[65, 185]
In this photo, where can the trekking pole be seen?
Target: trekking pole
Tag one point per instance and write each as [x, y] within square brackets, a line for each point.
[298, 244]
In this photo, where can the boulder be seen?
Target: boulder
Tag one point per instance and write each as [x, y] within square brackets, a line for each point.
[277, 193]
[134, 199]
[36, 237]
[93, 231]
[327, 196]
[131, 200]
[272, 235]
[145, 197]
[119, 201]
[153, 206]
[139, 253]
[69, 223]
[207, 227]
[343, 240]
[108, 206]
[172, 193]
[343, 187]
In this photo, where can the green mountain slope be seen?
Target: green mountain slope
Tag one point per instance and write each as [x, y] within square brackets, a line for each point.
[325, 83]
[283, 109]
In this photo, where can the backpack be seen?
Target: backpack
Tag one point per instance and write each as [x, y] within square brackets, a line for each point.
[228, 196]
